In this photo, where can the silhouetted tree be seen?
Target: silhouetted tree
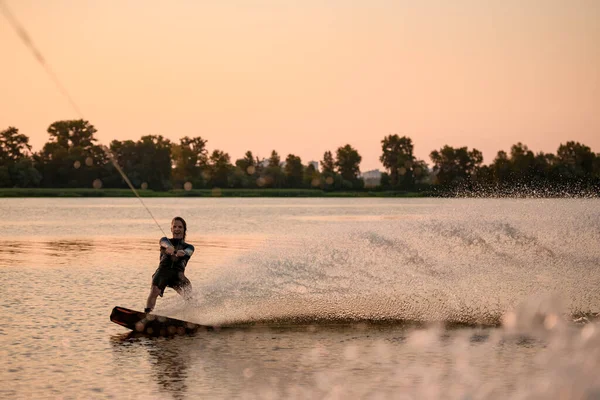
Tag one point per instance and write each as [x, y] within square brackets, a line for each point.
[246, 173]
[220, 168]
[404, 169]
[575, 160]
[327, 164]
[13, 146]
[71, 158]
[16, 163]
[398, 159]
[294, 171]
[312, 177]
[348, 163]
[247, 163]
[329, 178]
[190, 159]
[147, 163]
[274, 160]
[272, 175]
[455, 166]
[156, 166]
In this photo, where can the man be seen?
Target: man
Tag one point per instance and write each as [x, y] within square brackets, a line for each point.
[174, 255]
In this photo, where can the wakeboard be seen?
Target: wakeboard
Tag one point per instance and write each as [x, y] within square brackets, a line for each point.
[154, 325]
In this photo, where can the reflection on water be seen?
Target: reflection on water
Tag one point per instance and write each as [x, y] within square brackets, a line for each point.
[12, 252]
[49, 252]
[169, 366]
[354, 361]
[63, 247]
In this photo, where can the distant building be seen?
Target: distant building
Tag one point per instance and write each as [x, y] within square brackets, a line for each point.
[372, 178]
[315, 164]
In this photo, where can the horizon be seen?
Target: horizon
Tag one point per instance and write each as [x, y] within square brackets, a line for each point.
[301, 79]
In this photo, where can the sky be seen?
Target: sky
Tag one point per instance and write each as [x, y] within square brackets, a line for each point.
[307, 76]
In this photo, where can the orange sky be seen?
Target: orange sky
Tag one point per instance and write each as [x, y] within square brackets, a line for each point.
[308, 76]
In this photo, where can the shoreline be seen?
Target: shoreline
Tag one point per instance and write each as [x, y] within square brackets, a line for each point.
[84, 192]
[281, 193]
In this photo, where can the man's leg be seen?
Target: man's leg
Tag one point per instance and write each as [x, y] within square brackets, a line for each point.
[151, 302]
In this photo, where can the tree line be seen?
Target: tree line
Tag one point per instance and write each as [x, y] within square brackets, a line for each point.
[72, 158]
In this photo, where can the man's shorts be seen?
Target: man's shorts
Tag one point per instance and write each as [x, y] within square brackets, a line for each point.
[170, 277]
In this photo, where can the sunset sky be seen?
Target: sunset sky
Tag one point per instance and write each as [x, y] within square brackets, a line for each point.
[308, 76]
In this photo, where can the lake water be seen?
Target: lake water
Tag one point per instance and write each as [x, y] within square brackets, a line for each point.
[332, 298]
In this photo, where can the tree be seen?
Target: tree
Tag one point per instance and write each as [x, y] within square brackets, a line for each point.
[13, 146]
[596, 168]
[328, 176]
[398, 159]
[5, 180]
[273, 175]
[155, 161]
[147, 162]
[24, 174]
[274, 160]
[246, 171]
[575, 160]
[259, 165]
[247, 163]
[543, 164]
[71, 158]
[385, 180]
[347, 163]
[312, 177]
[420, 172]
[455, 166]
[294, 171]
[72, 133]
[220, 167]
[523, 163]
[16, 163]
[327, 164]
[501, 168]
[190, 158]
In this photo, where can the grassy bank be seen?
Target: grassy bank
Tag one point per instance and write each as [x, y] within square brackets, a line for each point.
[18, 192]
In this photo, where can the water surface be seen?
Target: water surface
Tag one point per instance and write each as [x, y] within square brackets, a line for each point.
[352, 297]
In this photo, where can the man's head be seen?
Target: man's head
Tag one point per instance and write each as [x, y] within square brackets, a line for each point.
[178, 228]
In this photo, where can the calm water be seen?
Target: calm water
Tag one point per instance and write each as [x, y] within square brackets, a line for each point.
[352, 296]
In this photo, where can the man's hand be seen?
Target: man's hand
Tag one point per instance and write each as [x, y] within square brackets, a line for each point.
[180, 253]
[170, 250]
